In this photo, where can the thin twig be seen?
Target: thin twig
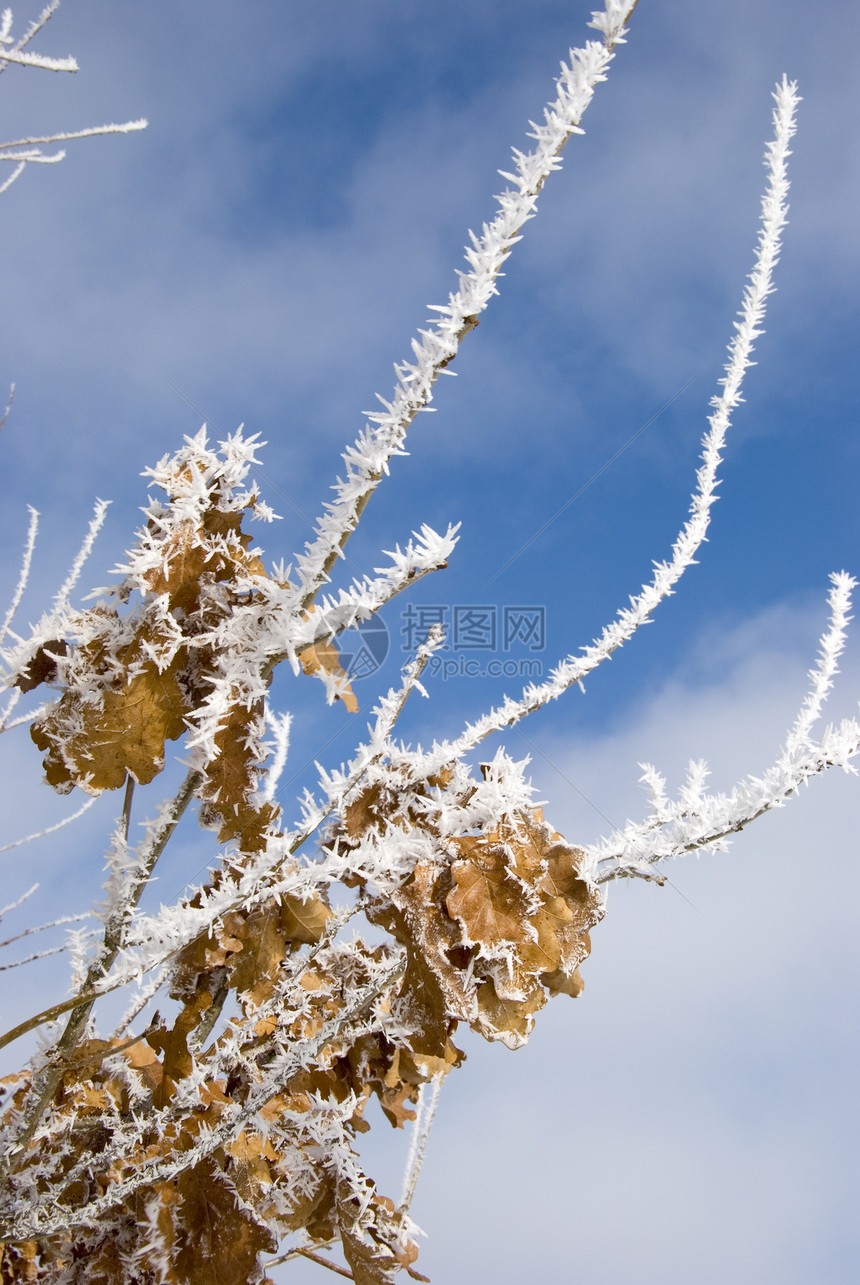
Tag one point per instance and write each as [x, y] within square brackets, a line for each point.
[9, 403]
[323, 1262]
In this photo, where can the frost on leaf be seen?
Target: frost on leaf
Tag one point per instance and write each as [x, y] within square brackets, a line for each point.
[374, 1241]
[490, 935]
[114, 721]
[232, 777]
[209, 1236]
[245, 950]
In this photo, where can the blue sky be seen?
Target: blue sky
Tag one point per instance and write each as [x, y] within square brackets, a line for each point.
[268, 247]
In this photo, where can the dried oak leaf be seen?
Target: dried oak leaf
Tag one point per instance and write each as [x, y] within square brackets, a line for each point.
[249, 1168]
[302, 1190]
[521, 901]
[509, 1021]
[560, 983]
[211, 1238]
[231, 778]
[216, 551]
[489, 902]
[323, 658]
[95, 744]
[206, 957]
[147, 1065]
[173, 1045]
[254, 969]
[419, 1004]
[180, 572]
[304, 922]
[394, 801]
[18, 1264]
[42, 667]
[375, 1243]
[104, 1263]
[431, 934]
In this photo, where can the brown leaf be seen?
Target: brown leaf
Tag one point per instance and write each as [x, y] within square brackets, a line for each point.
[255, 968]
[373, 1261]
[303, 922]
[18, 1264]
[232, 777]
[420, 1003]
[42, 667]
[436, 938]
[95, 744]
[181, 569]
[491, 906]
[144, 1061]
[393, 1101]
[250, 1170]
[509, 1021]
[559, 983]
[214, 1240]
[324, 658]
[173, 1045]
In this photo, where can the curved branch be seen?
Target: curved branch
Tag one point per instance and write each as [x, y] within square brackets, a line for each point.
[667, 574]
[368, 459]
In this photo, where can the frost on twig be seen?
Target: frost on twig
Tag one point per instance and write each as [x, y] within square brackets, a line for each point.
[698, 820]
[367, 461]
[667, 574]
[22, 152]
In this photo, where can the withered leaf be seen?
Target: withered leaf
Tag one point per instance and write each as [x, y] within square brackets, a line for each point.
[232, 776]
[255, 968]
[42, 667]
[420, 1003]
[304, 922]
[123, 733]
[509, 1021]
[324, 658]
[374, 1261]
[173, 1045]
[491, 906]
[559, 983]
[18, 1263]
[437, 938]
[215, 1242]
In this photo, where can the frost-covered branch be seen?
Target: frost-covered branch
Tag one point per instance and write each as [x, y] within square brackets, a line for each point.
[698, 820]
[428, 552]
[667, 574]
[280, 725]
[427, 1103]
[51, 829]
[367, 461]
[24, 575]
[13, 53]
[33, 30]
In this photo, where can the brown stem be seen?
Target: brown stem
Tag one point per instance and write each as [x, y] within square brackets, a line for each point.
[325, 1262]
[45, 1085]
